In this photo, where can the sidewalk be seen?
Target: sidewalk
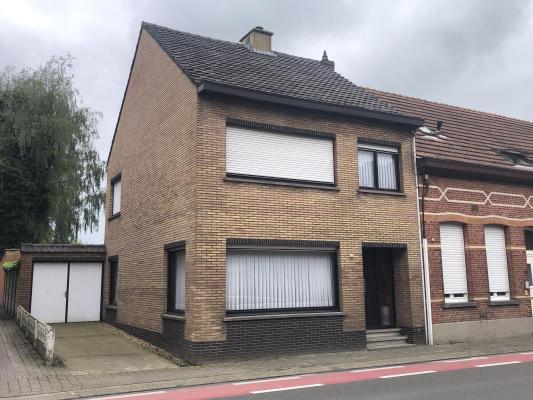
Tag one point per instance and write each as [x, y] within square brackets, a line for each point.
[23, 374]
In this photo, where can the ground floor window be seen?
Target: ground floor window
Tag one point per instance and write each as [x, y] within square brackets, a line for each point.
[280, 279]
[176, 280]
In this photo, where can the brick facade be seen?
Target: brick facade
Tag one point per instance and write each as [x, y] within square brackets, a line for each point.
[476, 203]
[169, 148]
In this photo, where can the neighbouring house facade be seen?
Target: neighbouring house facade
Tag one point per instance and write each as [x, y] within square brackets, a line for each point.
[258, 202]
[476, 201]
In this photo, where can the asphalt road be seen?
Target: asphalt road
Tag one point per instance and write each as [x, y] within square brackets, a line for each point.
[513, 381]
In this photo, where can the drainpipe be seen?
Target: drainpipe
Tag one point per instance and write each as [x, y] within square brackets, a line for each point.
[424, 253]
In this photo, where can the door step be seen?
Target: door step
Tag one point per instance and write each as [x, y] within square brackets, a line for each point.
[380, 339]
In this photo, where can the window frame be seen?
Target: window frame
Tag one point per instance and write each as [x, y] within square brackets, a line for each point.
[498, 296]
[171, 251]
[116, 178]
[283, 131]
[375, 149]
[334, 253]
[456, 297]
[113, 280]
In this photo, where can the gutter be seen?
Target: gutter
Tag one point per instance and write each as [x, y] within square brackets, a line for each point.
[207, 87]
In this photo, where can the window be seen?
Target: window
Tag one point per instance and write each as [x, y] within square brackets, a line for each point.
[497, 262]
[176, 280]
[378, 167]
[280, 279]
[113, 274]
[279, 156]
[453, 263]
[116, 184]
[518, 157]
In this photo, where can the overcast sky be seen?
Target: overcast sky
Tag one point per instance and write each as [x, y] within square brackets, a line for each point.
[477, 54]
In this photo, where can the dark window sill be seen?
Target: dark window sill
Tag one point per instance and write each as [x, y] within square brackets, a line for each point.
[310, 314]
[114, 216]
[111, 307]
[466, 304]
[174, 316]
[381, 191]
[496, 303]
[281, 183]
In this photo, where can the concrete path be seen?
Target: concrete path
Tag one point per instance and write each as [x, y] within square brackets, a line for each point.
[93, 348]
[24, 376]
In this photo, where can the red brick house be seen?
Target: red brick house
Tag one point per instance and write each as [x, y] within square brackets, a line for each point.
[475, 184]
[251, 197]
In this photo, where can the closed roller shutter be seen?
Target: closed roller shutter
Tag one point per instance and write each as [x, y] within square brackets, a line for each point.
[453, 262]
[497, 262]
[274, 155]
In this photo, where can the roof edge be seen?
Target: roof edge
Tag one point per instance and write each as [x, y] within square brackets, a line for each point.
[478, 171]
[208, 87]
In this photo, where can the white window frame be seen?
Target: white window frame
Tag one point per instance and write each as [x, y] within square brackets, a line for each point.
[497, 295]
[116, 201]
[280, 156]
[453, 296]
[376, 150]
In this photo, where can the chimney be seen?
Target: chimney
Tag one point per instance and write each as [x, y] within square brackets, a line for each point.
[258, 39]
[327, 62]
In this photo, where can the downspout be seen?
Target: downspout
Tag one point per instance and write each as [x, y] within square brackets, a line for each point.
[423, 247]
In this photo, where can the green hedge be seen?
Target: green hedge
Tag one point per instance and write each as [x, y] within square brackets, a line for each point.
[11, 265]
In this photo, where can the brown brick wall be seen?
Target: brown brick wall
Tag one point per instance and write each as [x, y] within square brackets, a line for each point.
[154, 150]
[170, 150]
[475, 204]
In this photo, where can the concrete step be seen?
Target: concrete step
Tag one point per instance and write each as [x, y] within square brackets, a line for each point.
[384, 330]
[388, 338]
[387, 346]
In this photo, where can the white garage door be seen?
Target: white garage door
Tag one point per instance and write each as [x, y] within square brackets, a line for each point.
[50, 291]
[84, 292]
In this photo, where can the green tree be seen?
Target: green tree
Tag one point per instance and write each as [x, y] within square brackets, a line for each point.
[50, 172]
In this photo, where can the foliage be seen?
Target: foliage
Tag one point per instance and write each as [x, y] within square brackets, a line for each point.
[11, 265]
[50, 172]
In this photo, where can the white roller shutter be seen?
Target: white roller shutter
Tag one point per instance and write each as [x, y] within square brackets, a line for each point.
[277, 155]
[453, 262]
[497, 262]
[117, 193]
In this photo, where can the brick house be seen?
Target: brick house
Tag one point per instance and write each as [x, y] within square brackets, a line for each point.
[251, 194]
[475, 182]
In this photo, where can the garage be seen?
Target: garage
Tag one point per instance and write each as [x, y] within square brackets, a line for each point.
[66, 291]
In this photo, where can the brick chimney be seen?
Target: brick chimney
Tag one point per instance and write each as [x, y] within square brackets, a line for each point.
[258, 39]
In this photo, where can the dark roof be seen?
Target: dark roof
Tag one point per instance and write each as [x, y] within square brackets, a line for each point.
[473, 137]
[62, 248]
[204, 60]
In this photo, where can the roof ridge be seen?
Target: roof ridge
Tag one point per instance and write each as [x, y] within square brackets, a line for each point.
[440, 103]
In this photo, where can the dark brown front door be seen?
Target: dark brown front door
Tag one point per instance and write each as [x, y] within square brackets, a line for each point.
[379, 288]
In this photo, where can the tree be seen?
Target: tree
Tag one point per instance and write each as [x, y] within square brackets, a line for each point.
[50, 172]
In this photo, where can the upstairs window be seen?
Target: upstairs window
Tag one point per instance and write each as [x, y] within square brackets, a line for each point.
[497, 262]
[279, 156]
[453, 263]
[518, 157]
[116, 185]
[378, 167]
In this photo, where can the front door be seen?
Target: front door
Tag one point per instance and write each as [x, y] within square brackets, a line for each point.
[379, 288]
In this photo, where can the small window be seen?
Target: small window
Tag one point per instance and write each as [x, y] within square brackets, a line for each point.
[378, 167]
[260, 280]
[176, 281]
[497, 262]
[117, 193]
[518, 157]
[113, 274]
[453, 263]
